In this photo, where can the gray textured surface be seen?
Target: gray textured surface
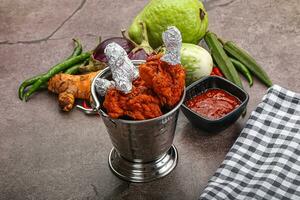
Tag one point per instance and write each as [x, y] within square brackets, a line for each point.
[46, 154]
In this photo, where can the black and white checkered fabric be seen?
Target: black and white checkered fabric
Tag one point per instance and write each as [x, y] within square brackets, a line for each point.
[264, 162]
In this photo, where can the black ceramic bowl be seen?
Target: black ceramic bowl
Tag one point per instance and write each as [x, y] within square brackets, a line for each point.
[222, 123]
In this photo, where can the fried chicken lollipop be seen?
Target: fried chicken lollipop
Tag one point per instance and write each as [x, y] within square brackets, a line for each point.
[164, 73]
[141, 103]
[127, 94]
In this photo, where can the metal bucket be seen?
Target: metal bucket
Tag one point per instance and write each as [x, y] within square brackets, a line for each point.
[143, 149]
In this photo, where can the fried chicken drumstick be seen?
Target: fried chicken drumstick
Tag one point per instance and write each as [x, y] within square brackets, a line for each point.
[141, 103]
[166, 80]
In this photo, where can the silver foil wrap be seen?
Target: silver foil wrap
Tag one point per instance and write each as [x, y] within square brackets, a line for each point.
[102, 85]
[123, 70]
[172, 40]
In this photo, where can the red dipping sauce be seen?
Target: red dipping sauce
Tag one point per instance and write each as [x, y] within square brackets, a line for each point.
[213, 103]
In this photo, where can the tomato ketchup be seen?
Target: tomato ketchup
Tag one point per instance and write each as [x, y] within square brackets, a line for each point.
[213, 103]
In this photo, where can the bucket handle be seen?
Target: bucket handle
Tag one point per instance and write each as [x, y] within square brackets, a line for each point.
[88, 111]
[96, 104]
[113, 122]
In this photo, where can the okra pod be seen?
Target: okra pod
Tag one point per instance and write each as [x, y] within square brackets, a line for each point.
[241, 55]
[243, 70]
[221, 58]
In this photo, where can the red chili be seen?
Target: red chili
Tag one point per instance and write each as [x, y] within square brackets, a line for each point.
[217, 72]
[84, 104]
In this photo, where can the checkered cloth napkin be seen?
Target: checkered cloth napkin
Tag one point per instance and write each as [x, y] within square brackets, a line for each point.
[264, 162]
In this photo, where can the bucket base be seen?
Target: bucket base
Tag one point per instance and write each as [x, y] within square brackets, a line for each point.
[143, 172]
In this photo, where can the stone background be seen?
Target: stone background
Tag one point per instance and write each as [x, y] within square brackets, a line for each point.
[47, 154]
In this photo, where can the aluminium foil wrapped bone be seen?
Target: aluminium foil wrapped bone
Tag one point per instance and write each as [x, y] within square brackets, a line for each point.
[122, 69]
[102, 85]
[173, 41]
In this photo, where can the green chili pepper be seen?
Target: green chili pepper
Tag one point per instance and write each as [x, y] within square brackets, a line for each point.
[77, 51]
[27, 83]
[72, 70]
[54, 70]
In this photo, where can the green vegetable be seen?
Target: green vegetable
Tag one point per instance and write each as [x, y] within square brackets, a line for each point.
[243, 70]
[73, 70]
[197, 62]
[77, 51]
[222, 59]
[54, 70]
[31, 81]
[244, 57]
[27, 83]
[189, 16]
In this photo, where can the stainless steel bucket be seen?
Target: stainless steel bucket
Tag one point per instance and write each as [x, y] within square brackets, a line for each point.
[143, 149]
